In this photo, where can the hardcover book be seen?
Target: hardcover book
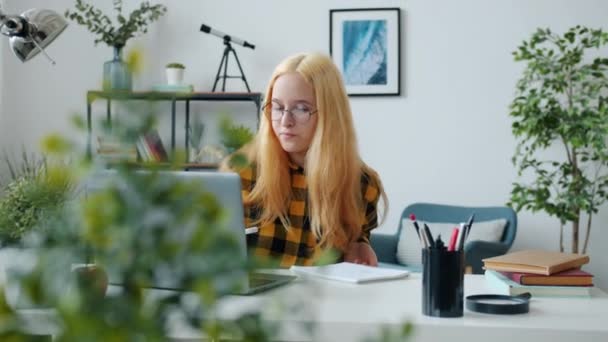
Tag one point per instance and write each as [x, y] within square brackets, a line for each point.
[503, 285]
[572, 277]
[535, 261]
[155, 144]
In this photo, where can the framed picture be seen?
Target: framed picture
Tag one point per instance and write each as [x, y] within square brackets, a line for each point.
[365, 45]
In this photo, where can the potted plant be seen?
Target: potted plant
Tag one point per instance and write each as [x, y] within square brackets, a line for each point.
[116, 75]
[561, 103]
[175, 73]
[36, 190]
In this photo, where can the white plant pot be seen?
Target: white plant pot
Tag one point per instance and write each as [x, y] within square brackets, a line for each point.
[175, 76]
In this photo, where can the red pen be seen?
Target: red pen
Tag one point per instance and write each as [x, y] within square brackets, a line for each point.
[413, 218]
[453, 238]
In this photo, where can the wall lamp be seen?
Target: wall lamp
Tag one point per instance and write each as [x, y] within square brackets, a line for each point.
[32, 31]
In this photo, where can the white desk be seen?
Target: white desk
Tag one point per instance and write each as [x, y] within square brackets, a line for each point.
[348, 312]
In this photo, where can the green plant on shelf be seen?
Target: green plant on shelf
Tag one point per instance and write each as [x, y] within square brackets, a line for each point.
[234, 136]
[175, 66]
[116, 33]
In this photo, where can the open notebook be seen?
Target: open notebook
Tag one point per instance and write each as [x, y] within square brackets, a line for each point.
[349, 272]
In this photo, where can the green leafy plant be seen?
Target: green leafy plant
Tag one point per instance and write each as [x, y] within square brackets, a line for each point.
[37, 190]
[234, 136]
[561, 102]
[126, 27]
[175, 66]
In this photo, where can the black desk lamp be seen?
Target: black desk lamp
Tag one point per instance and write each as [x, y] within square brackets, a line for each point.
[32, 31]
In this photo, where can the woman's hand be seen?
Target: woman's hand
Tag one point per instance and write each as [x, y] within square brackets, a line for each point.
[360, 253]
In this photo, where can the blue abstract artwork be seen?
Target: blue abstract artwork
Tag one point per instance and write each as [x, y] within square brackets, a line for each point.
[364, 52]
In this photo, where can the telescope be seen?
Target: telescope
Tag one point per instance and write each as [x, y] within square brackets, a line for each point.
[224, 62]
[228, 38]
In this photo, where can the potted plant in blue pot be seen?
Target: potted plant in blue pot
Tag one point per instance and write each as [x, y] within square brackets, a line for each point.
[116, 74]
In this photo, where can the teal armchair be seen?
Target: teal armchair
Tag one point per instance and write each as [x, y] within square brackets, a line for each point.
[385, 245]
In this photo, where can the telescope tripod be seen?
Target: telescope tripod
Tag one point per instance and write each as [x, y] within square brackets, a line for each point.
[224, 65]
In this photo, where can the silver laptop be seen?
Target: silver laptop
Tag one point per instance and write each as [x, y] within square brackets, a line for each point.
[226, 187]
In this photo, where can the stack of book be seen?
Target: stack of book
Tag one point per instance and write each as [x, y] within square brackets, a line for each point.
[539, 272]
[112, 150]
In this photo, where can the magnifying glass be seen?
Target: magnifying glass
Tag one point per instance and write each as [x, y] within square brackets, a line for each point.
[499, 304]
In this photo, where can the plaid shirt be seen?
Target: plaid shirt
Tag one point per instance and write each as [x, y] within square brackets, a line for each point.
[297, 245]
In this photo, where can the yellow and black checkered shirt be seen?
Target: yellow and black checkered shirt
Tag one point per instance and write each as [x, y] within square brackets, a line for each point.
[297, 245]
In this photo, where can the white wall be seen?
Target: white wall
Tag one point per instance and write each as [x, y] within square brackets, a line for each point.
[446, 139]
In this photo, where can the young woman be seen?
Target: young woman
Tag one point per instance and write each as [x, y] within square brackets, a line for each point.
[305, 186]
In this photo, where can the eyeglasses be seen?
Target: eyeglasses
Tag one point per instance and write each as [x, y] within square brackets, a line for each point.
[300, 114]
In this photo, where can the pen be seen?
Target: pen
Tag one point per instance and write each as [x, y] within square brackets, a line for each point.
[424, 240]
[469, 224]
[413, 218]
[461, 236]
[429, 236]
[453, 238]
[439, 243]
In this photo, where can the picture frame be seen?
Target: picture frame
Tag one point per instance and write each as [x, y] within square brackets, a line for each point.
[365, 45]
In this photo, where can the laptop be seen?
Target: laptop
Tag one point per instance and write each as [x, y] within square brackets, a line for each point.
[226, 187]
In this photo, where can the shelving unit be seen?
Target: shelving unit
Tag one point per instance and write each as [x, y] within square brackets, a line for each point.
[173, 97]
[169, 166]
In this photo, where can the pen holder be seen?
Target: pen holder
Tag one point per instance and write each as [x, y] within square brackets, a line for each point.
[442, 282]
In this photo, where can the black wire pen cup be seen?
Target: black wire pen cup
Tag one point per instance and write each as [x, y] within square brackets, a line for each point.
[442, 282]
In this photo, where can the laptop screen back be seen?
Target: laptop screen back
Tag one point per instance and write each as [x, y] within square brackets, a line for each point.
[225, 187]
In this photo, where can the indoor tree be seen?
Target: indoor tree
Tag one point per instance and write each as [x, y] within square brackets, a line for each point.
[561, 103]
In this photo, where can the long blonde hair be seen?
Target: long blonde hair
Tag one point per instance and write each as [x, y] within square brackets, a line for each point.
[333, 165]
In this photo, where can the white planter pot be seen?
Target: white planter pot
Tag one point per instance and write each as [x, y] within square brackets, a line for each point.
[175, 76]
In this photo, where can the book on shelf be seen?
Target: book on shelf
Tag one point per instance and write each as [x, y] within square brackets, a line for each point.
[151, 149]
[156, 145]
[350, 272]
[535, 261]
[145, 155]
[501, 284]
[113, 150]
[571, 277]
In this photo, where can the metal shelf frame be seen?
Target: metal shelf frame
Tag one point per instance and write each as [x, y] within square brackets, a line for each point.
[173, 97]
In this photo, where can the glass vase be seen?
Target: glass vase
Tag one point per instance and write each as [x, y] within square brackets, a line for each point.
[116, 73]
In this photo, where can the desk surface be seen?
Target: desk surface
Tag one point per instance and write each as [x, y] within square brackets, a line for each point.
[350, 312]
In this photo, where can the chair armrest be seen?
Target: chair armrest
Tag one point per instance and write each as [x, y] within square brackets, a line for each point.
[385, 247]
[477, 250]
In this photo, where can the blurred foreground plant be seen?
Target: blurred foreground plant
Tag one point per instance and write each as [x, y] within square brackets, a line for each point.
[144, 228]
